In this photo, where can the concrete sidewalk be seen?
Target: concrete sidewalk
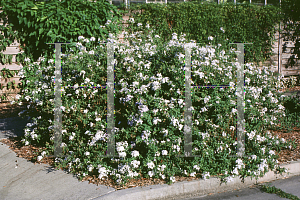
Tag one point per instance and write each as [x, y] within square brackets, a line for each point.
[186, 190]
[22, 180]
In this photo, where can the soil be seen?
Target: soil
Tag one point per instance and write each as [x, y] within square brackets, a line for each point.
[31, 152]
[294, 89]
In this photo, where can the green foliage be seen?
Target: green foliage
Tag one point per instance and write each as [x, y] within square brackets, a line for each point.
[6, 73]
[85, 68]
[5, 58]
[38, 23]
[245, 22]
[279, 192]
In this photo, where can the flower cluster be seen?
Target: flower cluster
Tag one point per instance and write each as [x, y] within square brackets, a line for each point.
[152, 151]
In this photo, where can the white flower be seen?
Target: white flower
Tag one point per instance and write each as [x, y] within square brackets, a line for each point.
[80, 38]
[223, 134]
[157, 154]
[231, 84]
[18, 96]
[63, 144]
[39, 158]
[193, 174]
[210, 38]
[82, 72]
[172, 179]
[135, 163]
[90, 168]
[26, 143]
[87, 153]
[122, 154]
[222, 29]
[196, 167]
[131, 20]
[139, 24]
[27, 60]
[63, 108]
[71, 137]
[150, 173]
[92, 39]
[272, 152]
[162, 167]
[43, 153]
[150, 165]
[135, 153]
[121, 148]
[87, 80]
[98, 119]
[164, 152]
[206, 175]
[251, 135]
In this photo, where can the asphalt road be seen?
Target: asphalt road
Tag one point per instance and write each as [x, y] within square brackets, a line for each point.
[289, 185]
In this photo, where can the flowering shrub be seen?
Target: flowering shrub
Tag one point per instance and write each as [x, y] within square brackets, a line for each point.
[149, 120]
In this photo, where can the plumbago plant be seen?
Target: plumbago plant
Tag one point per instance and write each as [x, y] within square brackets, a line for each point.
[149, 121]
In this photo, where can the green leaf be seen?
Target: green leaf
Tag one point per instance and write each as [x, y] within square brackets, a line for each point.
[36, 42]
[43, 18]
[32, 33]
[40, 31]
[50, 33]
[33, 8]
[20, 20]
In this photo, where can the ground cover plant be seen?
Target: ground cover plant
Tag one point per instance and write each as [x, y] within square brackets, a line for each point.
[149, 121]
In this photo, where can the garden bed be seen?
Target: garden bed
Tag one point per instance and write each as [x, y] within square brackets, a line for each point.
[30, 152]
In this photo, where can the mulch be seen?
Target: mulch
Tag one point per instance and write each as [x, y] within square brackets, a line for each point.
[30, 152]
[7, 110]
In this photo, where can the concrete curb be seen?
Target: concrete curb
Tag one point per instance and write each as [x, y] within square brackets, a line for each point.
[200, 187]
